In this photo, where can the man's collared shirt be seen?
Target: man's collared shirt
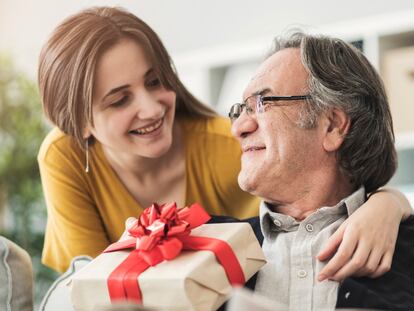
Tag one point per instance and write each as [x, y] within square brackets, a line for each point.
[290, 276]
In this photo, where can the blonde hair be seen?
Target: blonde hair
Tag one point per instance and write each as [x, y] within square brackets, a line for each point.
[68, 60]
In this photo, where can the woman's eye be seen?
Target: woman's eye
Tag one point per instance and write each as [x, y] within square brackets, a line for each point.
[153, 83]
[120, 102]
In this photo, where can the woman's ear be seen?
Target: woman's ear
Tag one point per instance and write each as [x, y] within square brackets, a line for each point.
[338, 124]
[87, 132]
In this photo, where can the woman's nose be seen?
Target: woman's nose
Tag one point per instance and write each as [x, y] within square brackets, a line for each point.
[148, 106]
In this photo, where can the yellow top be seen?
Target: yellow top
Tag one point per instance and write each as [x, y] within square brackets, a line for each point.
[87, 211]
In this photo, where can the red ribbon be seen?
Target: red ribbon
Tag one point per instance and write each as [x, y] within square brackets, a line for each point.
[161, 233]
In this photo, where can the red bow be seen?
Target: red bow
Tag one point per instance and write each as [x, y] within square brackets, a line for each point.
[160, 233]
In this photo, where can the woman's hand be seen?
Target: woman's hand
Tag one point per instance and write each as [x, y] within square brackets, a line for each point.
[365, 242]
[128, 223]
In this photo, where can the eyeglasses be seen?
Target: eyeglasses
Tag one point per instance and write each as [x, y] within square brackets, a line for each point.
[257, 103]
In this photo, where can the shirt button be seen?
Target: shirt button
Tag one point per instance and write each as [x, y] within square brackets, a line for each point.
[309, 227]
[302, 274]
[277, 222]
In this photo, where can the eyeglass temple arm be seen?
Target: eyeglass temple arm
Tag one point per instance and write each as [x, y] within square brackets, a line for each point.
[294, 97]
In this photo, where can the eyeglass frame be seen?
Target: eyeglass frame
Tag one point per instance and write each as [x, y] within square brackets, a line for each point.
[260, 104]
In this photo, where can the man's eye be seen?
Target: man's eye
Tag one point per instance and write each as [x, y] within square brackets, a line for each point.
[267, 104]
[153, 83]
[120, 102]
[249, 109]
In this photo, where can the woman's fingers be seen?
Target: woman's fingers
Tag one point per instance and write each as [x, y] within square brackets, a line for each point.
[366, 241]
[343, 255]
[371, 265]
[355, 264]
[332, 244]
[384, 266]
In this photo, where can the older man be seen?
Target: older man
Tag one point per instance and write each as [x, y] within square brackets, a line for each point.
[316, 133]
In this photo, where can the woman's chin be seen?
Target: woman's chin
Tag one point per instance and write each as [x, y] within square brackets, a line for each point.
[157, 151]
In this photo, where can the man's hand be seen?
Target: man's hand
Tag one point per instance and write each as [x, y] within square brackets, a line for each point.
[365, 242]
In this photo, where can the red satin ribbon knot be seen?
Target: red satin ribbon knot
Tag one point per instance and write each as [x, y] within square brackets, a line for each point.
[161, 233]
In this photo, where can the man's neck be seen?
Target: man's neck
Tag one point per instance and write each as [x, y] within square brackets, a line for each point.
[319, 194]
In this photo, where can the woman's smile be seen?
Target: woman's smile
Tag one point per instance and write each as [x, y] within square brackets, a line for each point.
[148, 129]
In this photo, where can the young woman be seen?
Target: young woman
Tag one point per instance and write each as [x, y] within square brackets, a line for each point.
[128, 133]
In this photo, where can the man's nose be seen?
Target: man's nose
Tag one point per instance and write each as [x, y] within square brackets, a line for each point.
[243, 126]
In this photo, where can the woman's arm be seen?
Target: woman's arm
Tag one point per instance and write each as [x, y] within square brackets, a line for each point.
[364, 244]
[400, 200]
[74, 226]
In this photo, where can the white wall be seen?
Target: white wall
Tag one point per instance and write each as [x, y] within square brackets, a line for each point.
[184, 25]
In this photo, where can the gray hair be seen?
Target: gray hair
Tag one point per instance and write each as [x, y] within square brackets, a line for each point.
[340, 76]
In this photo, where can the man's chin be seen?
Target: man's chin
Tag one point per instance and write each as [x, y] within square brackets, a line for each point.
[247, 183]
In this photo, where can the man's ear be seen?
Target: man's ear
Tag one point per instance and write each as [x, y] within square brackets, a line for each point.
[337, 126]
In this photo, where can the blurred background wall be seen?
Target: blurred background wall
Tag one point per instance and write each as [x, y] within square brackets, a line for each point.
[216, 46]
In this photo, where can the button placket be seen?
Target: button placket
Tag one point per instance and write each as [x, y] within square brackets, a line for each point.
[301, 271]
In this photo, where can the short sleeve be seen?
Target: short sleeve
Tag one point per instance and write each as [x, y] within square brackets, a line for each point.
[74, 226]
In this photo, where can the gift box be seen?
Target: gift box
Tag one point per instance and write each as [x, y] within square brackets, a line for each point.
[187, 266]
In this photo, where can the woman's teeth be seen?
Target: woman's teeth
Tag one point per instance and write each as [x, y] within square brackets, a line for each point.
[147, 129]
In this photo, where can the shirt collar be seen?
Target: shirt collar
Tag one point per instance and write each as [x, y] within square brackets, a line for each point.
[272, 221]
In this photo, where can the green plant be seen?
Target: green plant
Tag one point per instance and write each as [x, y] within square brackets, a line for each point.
[21, 132]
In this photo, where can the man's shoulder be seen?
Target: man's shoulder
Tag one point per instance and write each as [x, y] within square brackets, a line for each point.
[393, 290]
[254, 223]
[406, 229]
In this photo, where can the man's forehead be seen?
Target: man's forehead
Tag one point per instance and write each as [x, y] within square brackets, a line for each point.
[276, 71]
